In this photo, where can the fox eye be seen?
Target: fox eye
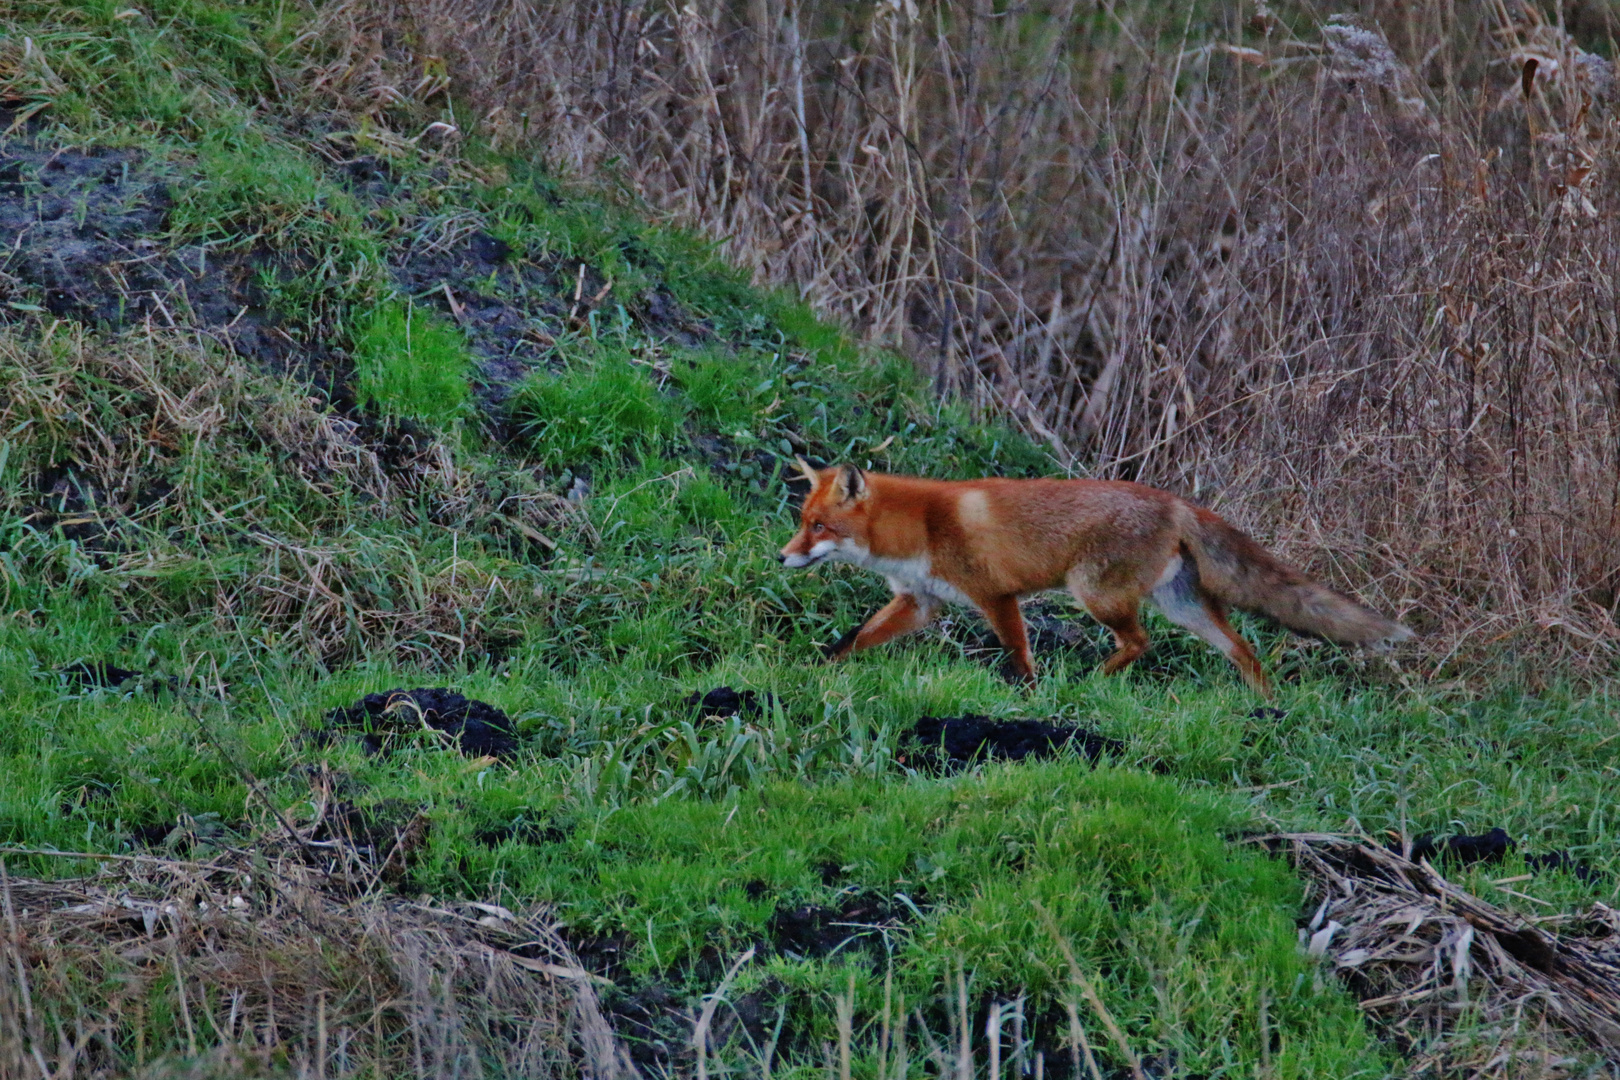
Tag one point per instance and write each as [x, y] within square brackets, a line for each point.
[818, 527]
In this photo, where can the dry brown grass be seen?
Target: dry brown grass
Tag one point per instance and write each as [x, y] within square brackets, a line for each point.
[1467, 988]
[280, 956]
[1354, 287]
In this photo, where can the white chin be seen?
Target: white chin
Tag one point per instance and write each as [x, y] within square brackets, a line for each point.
[795, 562]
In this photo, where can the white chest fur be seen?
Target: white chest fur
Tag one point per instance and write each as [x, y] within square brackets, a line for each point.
[913, 576]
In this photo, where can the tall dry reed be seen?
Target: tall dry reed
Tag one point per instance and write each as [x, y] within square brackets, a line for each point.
[1351, 278]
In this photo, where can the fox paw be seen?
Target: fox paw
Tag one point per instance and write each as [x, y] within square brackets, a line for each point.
[1024, 680]
[841, 646]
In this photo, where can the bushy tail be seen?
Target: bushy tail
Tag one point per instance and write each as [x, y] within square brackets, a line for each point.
[1234, 568]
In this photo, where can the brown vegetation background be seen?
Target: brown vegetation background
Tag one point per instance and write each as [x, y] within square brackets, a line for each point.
[1349, 275]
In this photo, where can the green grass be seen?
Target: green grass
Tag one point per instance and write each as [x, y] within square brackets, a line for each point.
[1134, 871]
[247, 543]
[409, 363]
[599, 407]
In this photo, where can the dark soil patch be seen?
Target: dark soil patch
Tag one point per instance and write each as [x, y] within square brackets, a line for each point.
[509, 308]
[1563, 860]
[185, 835]
[84, 230]
[857, 921]
[369, 830]
[1492, 847]
[1162, 1066]
[602, 954]
[754, 467]
[723, 701]
[369, 178]
[149, 836]
[523, 830]
[82, 511]
[403, 446]
[660, 314]
[81, 229]
[87, 675]
[513, 308]
[655, 1017]
[944, 743]
[1466, 850]
[478, 729]
[97, 674]
[655, 1020]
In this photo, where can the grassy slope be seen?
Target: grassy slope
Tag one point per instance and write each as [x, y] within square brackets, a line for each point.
[273, 574]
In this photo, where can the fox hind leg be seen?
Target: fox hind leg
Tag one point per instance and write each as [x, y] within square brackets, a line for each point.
[1184, 602]
[1116, 609]
[1130, 640]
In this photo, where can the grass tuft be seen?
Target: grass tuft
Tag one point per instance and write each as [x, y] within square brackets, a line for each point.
[410, 364]
[601, 406]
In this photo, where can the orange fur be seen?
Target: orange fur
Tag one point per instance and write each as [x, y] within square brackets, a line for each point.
[1112, 544]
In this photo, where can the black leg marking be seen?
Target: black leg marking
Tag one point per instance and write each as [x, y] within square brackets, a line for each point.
[843, 643]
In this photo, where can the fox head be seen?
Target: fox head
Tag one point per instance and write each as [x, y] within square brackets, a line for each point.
[834, 522]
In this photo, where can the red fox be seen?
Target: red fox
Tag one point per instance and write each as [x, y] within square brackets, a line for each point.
[1112, 543]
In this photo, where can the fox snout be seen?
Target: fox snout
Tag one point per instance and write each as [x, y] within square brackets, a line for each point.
[795, 559]
[791, 554]
[795, 556]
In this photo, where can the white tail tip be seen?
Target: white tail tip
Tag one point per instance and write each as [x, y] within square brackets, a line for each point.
[1398, 633]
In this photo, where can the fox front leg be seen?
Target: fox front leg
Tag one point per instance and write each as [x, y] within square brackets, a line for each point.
[1008, 623]
[905, 614]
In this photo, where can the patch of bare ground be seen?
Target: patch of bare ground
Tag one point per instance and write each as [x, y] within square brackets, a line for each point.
[1349, 279]
[1462, 986]
[86, 234]
[84, 230]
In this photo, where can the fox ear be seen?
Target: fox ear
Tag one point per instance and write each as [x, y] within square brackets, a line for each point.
[805, 469]
[851, 484]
